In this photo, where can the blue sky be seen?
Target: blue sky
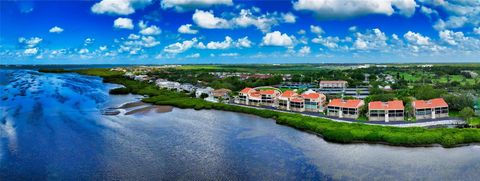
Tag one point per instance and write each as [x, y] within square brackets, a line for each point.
[229, 31]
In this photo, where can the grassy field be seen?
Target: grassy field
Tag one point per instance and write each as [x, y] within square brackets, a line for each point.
[474, 121]
[330, 130]
[417, 77]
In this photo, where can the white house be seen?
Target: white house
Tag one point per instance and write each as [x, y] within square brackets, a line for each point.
[187, 87]
[206, 90]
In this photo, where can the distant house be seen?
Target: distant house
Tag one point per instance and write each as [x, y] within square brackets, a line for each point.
[129, 75]
[162, 83]
[333, 84]
[186, 87]
[386, 111]
[430, 109]
[140, 77]
[221, 94]
[387, 87]
[345, 108]
[207, 91]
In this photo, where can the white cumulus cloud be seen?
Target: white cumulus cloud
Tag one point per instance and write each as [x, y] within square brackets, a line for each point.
[123, 23]
[207, 20]
[305, 50]
[187, 29]
[119, 7]
[31, 51]
[276, 38]
[195, 55]
[55, 29]
[31, 42]
[180, 47]
[416, 38]
[341, 9]
[245, 18]
[289, 18]
[185, 5]
[371, 40]
[229, 54]
[316, 29]
[151, 30]
[476, 30]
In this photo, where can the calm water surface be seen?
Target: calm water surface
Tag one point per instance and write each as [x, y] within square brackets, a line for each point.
[51, 128]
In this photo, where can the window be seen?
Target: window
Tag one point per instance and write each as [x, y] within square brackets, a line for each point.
[444, 110]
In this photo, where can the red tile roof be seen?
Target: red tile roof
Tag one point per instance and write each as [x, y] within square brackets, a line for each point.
[270, 91]
[255, 94]
[432, 103]
[246, 90]
[353, 103]
[312, 95]
[390, 105]
[288, 93]
[297, 99]
[221, 92]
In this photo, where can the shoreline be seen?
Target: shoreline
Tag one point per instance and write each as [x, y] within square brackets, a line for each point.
[331, 131]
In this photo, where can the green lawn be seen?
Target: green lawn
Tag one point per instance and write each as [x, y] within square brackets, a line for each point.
[413, 77]
[474, 121]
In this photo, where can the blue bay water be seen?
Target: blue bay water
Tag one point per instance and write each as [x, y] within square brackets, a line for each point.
[51, 128]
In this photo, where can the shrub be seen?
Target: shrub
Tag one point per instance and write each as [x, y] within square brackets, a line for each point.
[120, 90]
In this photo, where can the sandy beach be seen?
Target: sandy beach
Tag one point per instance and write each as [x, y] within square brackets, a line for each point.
[157, 109]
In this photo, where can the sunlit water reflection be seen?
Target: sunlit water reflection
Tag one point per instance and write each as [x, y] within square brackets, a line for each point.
[51, 128]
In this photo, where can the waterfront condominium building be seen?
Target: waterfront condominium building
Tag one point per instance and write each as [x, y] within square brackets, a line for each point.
[309, 101]
[386, 111]
[430, 109]
[314, 102]
[250, 96]
[333, 84]
[344, 108]
[243, 95]
[284, 99]
[268, 97]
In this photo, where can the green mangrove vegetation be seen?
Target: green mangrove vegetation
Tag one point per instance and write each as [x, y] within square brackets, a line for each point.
[329, 130]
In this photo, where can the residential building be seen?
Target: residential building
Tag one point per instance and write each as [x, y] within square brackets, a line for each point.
[268, 97]
[430, 109]
[313, 101]
[297, 103]
[309, 101]
[186, 88]
[162, 83]
[206, 90]
[129, 75]
[357, 92]
[250, 96]
[333, 84]
[296, 85]
[386, 111]
[222, 95]
[344, 108]
[140, 77]
[243, 95]
[284, 99]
